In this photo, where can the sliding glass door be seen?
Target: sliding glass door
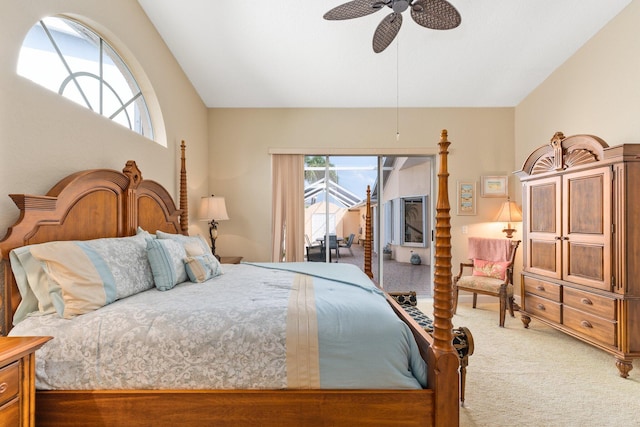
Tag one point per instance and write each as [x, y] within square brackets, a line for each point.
[401, 187]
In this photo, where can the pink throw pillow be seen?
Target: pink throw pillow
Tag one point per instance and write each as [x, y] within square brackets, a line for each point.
[496, 269]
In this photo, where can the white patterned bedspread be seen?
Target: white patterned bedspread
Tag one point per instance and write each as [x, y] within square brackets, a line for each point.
[233, 332]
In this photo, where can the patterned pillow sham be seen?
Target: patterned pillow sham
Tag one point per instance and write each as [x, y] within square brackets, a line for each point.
[202, 267]
[32, 282]
[145, 233]
[165, 258]
[495, 269]
[86, 275]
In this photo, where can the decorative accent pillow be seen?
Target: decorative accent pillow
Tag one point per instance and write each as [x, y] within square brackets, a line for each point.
[202, 267]
[165, 258]
[86, 275]
[495, 269]
[194, 245]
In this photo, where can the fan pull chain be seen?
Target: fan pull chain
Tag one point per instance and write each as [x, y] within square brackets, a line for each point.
[398, 89]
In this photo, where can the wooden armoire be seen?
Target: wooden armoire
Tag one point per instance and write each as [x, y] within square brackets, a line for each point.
[581, 234]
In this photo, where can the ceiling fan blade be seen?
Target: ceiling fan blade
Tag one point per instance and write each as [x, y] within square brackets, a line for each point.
[352, 9]
[435, 14]
[387, 31]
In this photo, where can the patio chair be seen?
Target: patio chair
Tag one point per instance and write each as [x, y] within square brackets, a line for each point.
[333, 244]
[310, 243]
[317, 253]
[347, 244]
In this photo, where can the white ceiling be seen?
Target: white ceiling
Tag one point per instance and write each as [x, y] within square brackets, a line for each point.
[284, 54]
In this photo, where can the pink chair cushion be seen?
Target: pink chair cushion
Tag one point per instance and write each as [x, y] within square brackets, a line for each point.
[496, 269]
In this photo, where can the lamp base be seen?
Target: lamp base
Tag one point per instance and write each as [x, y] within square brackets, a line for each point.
[509, 232]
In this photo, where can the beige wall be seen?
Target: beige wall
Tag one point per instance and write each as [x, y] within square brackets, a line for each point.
[44, 137]
[597, 91]
[241, 139]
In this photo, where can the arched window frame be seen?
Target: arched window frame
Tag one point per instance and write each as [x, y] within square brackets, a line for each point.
[94, 75]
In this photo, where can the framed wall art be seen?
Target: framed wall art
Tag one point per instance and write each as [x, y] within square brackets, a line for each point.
[466, 200]
[495, 186]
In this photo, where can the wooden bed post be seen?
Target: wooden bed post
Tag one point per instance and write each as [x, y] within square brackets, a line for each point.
[135, 178]
[367, 237]
[184, 200]
[446, 361]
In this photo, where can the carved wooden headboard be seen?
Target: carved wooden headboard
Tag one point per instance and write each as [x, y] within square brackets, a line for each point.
[88, 205]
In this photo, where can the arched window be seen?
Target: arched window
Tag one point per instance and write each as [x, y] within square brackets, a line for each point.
[65, 56]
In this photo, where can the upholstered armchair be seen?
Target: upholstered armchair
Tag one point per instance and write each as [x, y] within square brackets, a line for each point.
[490, 272]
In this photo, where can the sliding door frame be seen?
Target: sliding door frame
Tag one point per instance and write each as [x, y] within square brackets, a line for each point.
[379, 153]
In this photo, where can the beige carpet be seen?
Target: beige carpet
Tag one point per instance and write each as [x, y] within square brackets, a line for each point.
[540, 377]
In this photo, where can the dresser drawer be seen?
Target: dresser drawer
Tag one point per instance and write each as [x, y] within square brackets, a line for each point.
[10, 413]
[541, 288]
[9, 382]
[590, 303]
[597, 328]
[542, 307]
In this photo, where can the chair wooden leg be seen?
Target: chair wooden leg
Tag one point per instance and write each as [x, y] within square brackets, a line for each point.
[455, 299]
[503, 310]
[510, 306]
[475, 299]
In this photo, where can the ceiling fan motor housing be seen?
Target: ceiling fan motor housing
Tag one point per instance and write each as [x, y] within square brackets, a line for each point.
[399, 6]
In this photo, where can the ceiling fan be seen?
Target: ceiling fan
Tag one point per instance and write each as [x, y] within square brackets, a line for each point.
[433, 14]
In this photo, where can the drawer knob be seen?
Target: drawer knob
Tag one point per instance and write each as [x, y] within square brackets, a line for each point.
[586, 301]
[541, 307]
[586, 324]
[540, 288]
[3, 387]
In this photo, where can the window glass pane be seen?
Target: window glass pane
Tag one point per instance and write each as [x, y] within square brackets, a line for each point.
[413, 209]
[38, 54]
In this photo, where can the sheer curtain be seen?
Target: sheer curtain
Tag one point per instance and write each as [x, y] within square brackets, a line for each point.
[287, 207]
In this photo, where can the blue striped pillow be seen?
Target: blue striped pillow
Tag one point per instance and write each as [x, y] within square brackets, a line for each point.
[165, 257]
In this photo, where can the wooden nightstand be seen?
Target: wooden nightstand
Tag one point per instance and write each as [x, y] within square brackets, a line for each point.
[230, 259]
[17, 380]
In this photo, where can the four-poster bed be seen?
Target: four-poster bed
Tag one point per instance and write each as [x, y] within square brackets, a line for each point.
[105, 203]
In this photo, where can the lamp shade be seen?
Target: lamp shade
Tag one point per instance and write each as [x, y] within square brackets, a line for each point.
[509, 212]
[213, 208]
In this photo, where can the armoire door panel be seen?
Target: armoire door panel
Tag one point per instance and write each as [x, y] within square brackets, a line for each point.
[543, 257]
[585, 210]
[586, 234]
[586, 265]
[544, 222]
[543, 204]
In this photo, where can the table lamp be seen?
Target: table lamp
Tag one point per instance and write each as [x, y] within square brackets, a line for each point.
[509, 212]
[213, 209]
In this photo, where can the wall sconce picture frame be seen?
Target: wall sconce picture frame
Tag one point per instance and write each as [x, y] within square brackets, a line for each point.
[495, 186]
[466, 200]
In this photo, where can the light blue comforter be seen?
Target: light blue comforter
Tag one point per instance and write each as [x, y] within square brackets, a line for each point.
[234, 332]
